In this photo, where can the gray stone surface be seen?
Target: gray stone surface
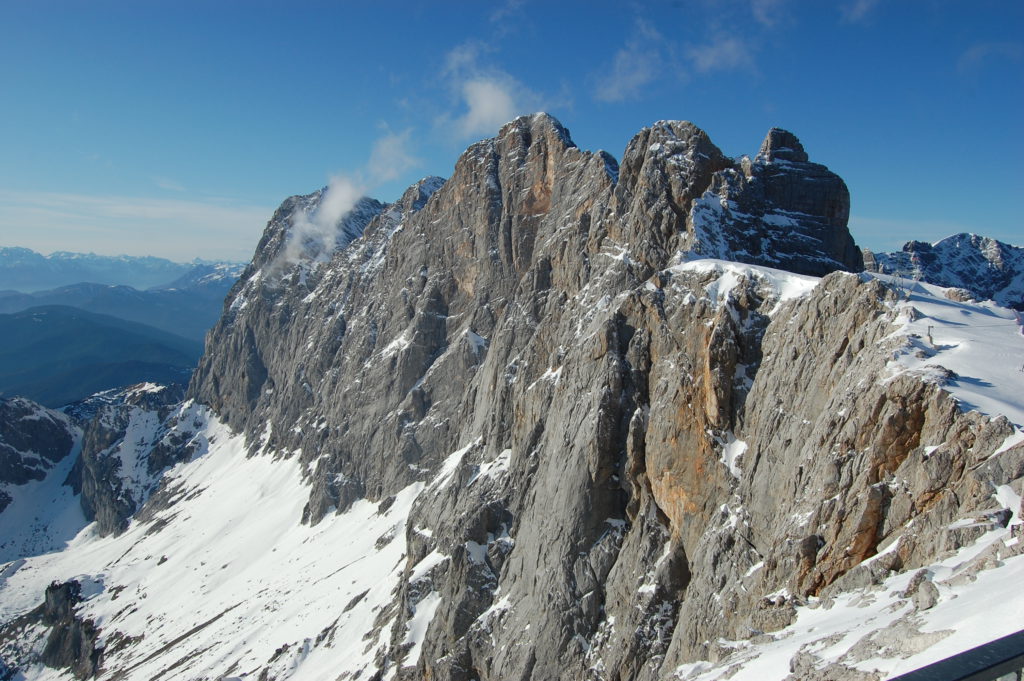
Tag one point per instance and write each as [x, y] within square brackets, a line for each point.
[528, 312]
[527, 321]
[128, 425]
[53, 634]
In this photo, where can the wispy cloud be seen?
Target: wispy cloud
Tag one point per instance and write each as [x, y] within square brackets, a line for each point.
[722, 54]
[857, 10]
[314, 234]
[168, 184]
[176, 229]
[974, 57]
[648, 56]
[487, 96]
[391, 156]
[490, 102]
[505, 10]
[768, 13]
[633, 67]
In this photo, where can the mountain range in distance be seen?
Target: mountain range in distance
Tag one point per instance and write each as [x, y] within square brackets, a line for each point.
[25, 270]
[187, 305]
[57, 354]
[69, 340]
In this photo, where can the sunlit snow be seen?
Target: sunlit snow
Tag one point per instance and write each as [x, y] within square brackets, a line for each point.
[234, 575]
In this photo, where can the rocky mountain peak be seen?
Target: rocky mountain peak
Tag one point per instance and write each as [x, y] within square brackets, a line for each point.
[417, 195]
[539, 124]
[672, 157]
[782, 145]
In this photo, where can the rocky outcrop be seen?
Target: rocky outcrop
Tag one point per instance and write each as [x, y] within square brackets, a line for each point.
[980, 265]
[677, 193]
[533, 318]
[64, 639]
[778, 210]
[129, 442]
[32, 440]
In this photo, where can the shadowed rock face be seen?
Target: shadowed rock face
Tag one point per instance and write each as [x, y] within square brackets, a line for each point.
[53, 634]
[32, 439]
[130, 425]
[677, 192]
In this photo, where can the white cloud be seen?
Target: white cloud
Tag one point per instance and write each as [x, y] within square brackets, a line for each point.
[171, 228]
[974, 57]
[487, 97]
[857, 10]
[463, 59]
[314, 235]
[630, 71]
[723, 54]
[634, 66]
[391, 157]
[505, 10]
[489, 104]
[168, 184]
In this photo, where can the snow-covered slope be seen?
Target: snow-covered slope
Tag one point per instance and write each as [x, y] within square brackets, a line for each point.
[223, 581]
[38, 448]
[895, 626]
[975, 350]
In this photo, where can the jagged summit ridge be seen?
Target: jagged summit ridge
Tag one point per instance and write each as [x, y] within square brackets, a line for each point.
[782, 145]
[675, 194]
[524, 208]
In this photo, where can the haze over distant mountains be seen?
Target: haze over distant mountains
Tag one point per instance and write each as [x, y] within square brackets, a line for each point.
[71, 340]
[22, 269]
[56, 355]
[186, 306]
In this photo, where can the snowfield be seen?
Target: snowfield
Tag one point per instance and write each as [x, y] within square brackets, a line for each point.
[876, 629]
[980, 342]
[229, 576]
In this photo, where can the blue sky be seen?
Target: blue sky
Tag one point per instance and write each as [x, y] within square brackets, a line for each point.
[175, 128]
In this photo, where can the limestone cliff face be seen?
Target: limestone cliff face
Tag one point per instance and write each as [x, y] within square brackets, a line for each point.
[625, 452]
[640, 466]
[525, 224]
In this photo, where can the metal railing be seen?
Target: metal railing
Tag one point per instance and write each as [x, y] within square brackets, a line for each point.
[999, 660]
